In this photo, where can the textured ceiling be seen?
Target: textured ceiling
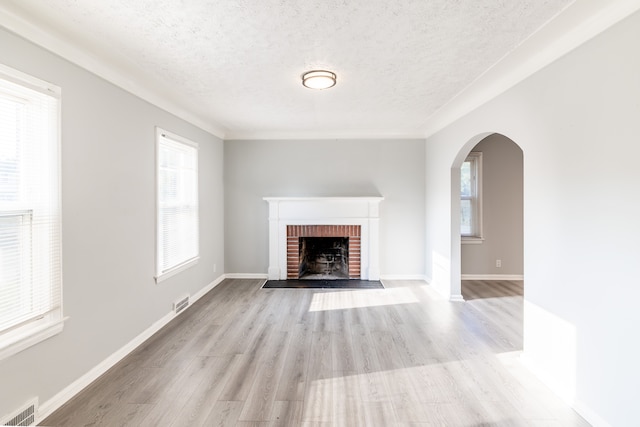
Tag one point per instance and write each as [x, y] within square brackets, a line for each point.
[237, 63]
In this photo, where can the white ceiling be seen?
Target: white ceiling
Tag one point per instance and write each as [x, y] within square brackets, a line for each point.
[236, 64]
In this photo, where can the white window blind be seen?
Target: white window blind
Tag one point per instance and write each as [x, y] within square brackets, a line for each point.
[177, 200]
[30, 235]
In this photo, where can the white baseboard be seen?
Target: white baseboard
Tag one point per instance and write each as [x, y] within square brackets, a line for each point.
[48, 407]
[202, 292]
[403, 277]
[456, 298]
[583, 410]
[246, 276]
[591, 417]
[492, 277]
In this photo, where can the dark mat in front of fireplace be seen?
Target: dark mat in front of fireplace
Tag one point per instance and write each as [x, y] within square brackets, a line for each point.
[324, 284]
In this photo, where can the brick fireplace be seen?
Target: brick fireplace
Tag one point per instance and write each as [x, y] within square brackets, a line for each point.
[295, 232]
[352, 218]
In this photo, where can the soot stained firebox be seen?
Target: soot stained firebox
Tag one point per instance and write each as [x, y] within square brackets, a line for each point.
[323, 258]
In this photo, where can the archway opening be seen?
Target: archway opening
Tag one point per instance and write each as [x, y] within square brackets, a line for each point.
[487, 236]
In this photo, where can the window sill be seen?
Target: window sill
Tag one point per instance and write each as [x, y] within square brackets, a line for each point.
[28, 336]
[177, 269]
[469, 240]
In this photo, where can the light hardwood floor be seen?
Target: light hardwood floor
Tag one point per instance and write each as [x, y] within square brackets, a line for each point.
[400, 356]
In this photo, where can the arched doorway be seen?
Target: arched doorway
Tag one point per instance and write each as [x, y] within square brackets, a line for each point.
[489, 244]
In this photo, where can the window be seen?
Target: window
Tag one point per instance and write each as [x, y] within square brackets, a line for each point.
[30, 237]
[471, 198]
[177, 201]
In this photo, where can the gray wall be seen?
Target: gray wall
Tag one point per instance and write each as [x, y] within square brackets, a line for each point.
[108, 208]
[501, 211]
[390, 168]
[577, 123]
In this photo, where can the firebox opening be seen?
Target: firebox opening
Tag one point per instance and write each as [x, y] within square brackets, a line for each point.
[324, 258]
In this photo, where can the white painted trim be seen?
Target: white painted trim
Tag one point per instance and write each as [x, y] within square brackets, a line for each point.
[66, 394]
[177, 269]
[591, 417]
[124, 75]
[202, 292]
[475, 159]
[468, 240]
[29, 81]
[583, 410]
[232, 135]
[492, 277]
[246, 276]
[30, 335]
[574, 26]
[577, 24]
[456, 298]
[362, 211]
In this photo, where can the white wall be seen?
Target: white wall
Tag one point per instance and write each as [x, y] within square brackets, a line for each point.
[502, 212]
[393, 169]
[108, 208]
[577, 123]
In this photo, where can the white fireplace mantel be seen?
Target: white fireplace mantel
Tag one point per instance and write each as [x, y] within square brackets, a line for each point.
[362, 211]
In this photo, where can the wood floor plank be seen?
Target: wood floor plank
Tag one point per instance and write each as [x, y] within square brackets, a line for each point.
[400, 356]
[262, 395]
[113, 384]
[347, 407]
[286, 413]
[379, 413]
[318, 396]
[196, 409]
[224, 414]
[293, 380]
[342, 351]
[247, 369]
[373, 387]
[180, 402]
[236, 336]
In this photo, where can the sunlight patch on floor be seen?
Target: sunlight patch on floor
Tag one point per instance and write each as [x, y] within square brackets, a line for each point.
[426, 392]
[344, 300]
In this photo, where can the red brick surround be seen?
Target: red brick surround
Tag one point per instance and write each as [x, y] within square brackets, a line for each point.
[296, 231]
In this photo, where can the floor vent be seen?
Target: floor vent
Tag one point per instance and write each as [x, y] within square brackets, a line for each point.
[25, 416]
[181, 304]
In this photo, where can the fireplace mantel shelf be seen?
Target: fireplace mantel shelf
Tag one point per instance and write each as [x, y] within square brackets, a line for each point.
[362, 211]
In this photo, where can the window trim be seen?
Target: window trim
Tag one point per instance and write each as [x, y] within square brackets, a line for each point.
[477, 234]
[31, 332]
[35, 332]
[162, 276]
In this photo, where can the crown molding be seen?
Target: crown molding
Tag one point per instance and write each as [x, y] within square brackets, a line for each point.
[572, 27]
[116, 72]
[321, 135]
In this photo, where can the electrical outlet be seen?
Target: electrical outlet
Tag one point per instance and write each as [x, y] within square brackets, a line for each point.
[498, 263]
[215, 267]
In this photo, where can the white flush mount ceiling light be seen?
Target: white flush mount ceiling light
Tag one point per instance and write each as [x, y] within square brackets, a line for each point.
[319, 79]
